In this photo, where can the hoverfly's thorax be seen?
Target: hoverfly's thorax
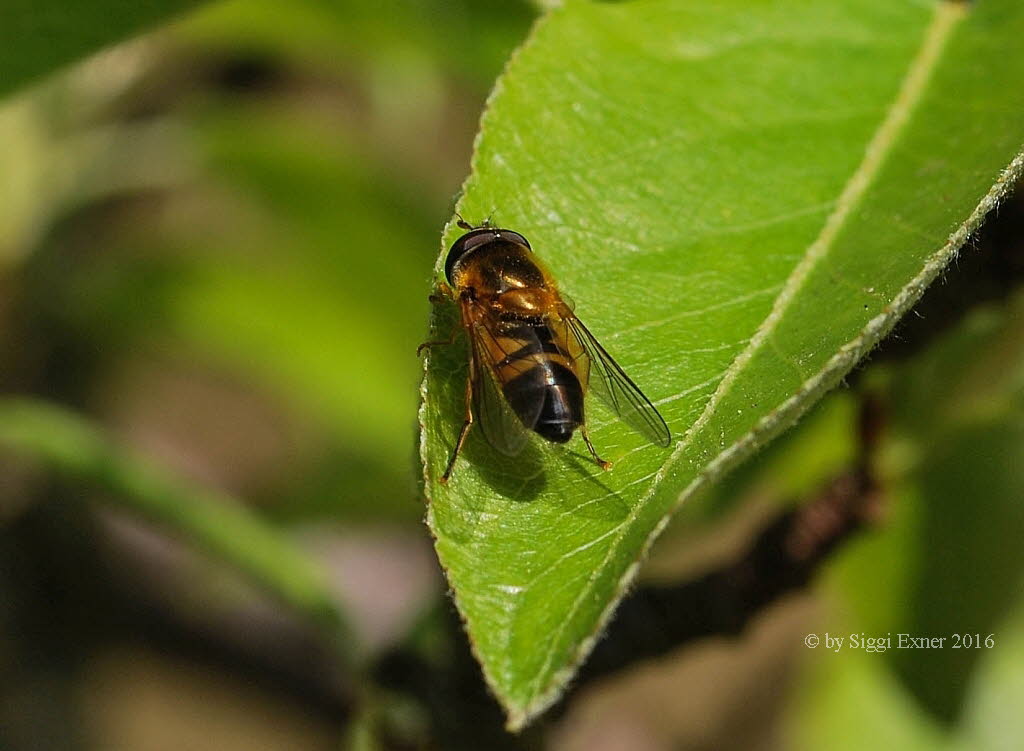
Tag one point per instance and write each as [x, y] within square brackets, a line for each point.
[503, 267]
[528, 303]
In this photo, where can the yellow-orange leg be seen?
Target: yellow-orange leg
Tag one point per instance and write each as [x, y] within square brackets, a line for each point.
[468, 423]
[586, 439]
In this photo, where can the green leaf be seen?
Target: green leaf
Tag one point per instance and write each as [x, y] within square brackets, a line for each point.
[742, 198]
[992, 707]
[849, 700]
[944, 562]
[469, 37]
[971, 516]
[39, 36]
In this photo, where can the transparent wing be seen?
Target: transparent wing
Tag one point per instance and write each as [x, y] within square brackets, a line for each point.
[617, 390]
[505, 430]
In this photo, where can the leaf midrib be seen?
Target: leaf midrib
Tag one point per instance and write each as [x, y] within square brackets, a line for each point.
[946, 17]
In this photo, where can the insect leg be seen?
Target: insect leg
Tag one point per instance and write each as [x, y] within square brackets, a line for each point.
[437, 342]
[467, 424]
[471, 377]
[586, 439]
[444, 292]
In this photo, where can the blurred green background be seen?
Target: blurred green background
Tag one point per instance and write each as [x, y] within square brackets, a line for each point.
[216, 244]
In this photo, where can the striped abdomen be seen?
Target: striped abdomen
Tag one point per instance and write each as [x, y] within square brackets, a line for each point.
[540, 381]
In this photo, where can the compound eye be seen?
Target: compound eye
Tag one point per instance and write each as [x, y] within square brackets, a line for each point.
[465, 244]
[509, 235]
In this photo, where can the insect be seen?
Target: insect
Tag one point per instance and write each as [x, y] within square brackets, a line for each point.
[531, 360]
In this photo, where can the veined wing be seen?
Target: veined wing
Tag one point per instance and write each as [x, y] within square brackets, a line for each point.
[494, 352]
[617, 390]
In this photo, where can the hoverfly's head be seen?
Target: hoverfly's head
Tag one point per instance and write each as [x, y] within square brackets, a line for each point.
[474, 240]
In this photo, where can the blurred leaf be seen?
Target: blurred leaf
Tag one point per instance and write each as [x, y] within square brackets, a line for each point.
[39, 36]
[993, 720]
[471, 37]
[848, 701]
[65, 443]
[966, 580]
[851, 699]
[316, 290]
[945, 561]
[733, 194]
[970, 375]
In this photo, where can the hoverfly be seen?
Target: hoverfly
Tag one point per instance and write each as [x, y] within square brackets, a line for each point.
[531, 360]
